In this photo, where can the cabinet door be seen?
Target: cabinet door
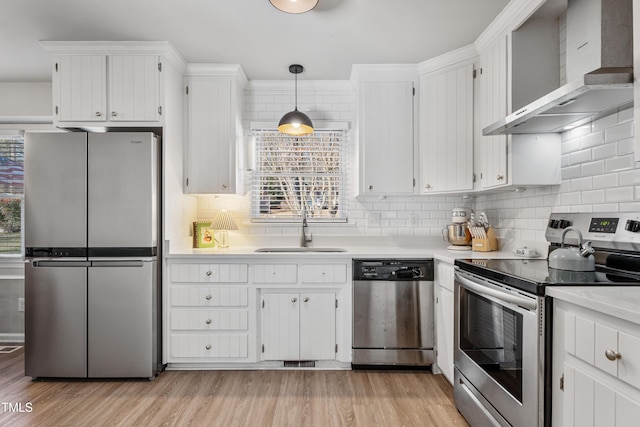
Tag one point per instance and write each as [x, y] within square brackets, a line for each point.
[80, 88]
[281, 326]
[492, 105]
[134, 88]
[210, 137]
[446, 130]
[318, 326]
[386, 137]
[444, 325]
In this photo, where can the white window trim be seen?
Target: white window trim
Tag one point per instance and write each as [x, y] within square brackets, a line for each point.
[344, 176]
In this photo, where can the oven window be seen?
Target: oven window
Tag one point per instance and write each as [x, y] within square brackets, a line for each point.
[491, 335]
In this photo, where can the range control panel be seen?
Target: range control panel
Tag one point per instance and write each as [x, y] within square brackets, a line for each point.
[603, 230]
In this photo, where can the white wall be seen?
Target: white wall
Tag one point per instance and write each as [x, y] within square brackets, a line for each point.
[598, 175]
[25, 99]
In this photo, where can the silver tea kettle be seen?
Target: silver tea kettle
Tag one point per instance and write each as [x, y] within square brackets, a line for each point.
[573, 259]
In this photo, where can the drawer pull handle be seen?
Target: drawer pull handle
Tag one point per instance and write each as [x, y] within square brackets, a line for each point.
[208, 273]
[294, 299]
[306, 299]
[208, 321]
[208, 347]
[208, 297]
[612, 355]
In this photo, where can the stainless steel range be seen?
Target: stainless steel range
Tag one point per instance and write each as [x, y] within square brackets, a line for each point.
[503, 318]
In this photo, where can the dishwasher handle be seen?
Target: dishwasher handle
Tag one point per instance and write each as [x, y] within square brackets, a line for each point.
[481, 289]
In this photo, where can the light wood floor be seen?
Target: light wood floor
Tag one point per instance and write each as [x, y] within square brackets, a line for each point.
[230, 398]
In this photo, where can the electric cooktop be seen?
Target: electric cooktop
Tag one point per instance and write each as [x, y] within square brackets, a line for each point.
[532, 275]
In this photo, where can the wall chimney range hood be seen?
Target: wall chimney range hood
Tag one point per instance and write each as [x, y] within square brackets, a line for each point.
[595, 94]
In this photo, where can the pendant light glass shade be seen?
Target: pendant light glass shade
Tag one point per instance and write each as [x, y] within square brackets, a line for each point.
[294, 6]
[295, 122]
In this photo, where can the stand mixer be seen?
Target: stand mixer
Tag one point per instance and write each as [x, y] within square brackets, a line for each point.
[457, 233]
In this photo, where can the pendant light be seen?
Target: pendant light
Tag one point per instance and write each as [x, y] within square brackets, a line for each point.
[294, 6]
[295, 122]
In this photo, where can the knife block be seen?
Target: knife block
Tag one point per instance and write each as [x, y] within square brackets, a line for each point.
[488, 244]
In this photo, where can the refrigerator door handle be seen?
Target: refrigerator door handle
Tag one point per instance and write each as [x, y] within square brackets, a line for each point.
[61, 263]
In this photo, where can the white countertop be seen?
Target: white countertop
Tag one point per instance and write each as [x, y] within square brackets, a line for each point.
[617, 301]
[355, 247]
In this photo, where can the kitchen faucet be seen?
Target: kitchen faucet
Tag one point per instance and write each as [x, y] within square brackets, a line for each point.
[303, 230]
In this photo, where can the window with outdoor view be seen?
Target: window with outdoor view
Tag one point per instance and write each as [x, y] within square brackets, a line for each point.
[11, 194]
[293, 173]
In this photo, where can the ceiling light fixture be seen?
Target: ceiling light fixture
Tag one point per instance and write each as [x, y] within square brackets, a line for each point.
[294, 6]
[295, 122]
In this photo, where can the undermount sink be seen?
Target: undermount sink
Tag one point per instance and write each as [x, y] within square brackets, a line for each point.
[300, 249]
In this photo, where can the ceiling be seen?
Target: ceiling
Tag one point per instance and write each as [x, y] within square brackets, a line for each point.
[252, 33]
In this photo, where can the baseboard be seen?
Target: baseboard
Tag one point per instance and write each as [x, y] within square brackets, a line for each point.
[11, 338]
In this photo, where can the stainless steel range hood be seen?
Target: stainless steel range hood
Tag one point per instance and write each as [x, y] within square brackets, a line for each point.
[582, 101]
[596, 94]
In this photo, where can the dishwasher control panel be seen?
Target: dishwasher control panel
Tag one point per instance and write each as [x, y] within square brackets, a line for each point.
[393, 269]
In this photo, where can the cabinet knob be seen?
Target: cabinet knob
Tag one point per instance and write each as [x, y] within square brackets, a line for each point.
[306, 299]
[208, 273]
[427, 186]
[224, 186]
[612, 355]
[114, 114]
[208, 297]
[370, 187]
[208, 347]
[208, 321]
[98, 114]
[294, 299]
[499, 177]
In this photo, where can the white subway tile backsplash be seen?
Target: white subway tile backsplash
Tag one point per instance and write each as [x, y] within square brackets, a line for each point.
[619, 163]
[591, 140]
[620, 194]
[604, 151]
[616, 133]
[605, 181]
[592, 168]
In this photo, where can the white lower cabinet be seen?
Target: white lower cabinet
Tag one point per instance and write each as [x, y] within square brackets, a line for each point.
[209, 313]
[596, 368]
[299, 326]
[444, 277]
[247, 313]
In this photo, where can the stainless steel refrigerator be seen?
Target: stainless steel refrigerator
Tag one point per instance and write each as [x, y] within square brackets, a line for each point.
[92, 218]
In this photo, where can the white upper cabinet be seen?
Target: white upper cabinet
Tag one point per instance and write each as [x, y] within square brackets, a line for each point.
[491, 104]
[111, 83]
[134, 88]
[446, 130]
[214, 128]
[80, 84]
[386, 117]
[80, 88]
[511, 161]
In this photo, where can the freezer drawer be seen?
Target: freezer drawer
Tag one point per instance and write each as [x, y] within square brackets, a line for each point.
[55, 319]
[122, 325]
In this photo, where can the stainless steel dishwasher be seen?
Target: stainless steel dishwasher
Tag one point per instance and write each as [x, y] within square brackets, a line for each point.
[393, 312]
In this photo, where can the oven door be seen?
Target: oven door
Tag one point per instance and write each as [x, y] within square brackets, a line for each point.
[498, 347]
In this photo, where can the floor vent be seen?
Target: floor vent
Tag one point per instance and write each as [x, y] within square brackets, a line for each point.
[9, 348]
[299, 364]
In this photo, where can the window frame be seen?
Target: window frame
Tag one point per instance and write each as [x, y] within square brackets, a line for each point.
[19, 134]
[343, 176]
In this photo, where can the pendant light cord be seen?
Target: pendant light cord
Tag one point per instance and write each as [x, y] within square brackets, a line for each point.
[296, 91]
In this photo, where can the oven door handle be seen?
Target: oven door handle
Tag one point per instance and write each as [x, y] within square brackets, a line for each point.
[523, 302]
